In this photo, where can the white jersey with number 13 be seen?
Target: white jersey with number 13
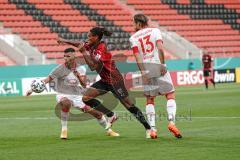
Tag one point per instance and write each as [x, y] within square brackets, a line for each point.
[145, 40]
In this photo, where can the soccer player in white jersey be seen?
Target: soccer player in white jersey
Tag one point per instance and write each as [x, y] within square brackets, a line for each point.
[147, 46]
[69, 79]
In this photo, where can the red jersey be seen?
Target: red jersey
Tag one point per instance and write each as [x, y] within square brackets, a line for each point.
[109, 72]
[207, 62]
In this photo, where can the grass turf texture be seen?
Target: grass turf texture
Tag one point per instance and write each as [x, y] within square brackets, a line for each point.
[212, 132]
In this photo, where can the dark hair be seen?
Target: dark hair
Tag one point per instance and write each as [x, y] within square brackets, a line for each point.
[100, 31]
[68, 50]
[141, 18]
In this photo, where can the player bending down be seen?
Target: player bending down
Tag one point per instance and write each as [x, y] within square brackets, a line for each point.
[98, 58]
[147, 46]
[69, 83]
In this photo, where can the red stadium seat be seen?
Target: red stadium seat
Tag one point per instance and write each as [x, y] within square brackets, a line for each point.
[205, 33]
[98, 2]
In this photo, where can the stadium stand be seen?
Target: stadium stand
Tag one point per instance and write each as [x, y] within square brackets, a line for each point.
[37, 21]
[212, 27]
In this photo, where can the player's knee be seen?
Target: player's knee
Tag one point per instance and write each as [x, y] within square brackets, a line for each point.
[170, 95]
[150, 100]
[65, 109]
[86, 109]
[85, 98]
[126, 102]
[98, 115]
[66, 102]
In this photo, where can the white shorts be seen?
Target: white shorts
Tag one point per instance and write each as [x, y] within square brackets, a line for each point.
[159, 86]
[75, 99]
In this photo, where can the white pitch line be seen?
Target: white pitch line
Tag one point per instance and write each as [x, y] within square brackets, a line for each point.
[27, 118]
[215, 117]
[53, 118]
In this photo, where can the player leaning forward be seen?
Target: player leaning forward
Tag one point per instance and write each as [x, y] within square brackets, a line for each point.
[99, 59]
[147, 46]
[69, 79]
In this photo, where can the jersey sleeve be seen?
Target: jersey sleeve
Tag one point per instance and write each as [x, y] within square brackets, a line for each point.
[82, 70]
[56, 72]
[134, 45]
[158, 35]
[101, 54]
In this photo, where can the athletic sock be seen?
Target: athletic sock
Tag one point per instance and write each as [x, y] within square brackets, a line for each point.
[150, 112]
[102, 121]
[64, 118]
[139, 115]
[213, 82]
[98, 106]
[171, 110]
[206, 83]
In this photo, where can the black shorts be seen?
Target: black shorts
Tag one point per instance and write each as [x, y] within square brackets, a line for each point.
[119, 90]
[206, 73]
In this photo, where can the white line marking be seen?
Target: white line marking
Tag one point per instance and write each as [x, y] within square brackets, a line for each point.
[53, 118]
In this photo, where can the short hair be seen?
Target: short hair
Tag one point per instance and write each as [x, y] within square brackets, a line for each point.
[68, 50]
[141, 18]
[100, 31]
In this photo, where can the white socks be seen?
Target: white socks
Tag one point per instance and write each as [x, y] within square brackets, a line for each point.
[102, 122]
[171, 110]
[64, 119]
[150, 112]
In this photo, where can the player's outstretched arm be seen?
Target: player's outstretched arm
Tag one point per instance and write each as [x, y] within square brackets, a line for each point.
[30, 91]
[90, 62]
[69, 42]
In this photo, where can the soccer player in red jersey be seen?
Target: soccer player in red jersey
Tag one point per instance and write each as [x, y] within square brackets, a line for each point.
[207, 69]
[99, 59]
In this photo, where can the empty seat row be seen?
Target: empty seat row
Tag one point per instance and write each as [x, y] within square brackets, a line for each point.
[105, 7]
[218, 44]
[22, 24]
[201, 28]
[201, 33]
[40, 36]
[188, 22]
[15, 18]
[31, 30]
[221, 2]
[215, 38]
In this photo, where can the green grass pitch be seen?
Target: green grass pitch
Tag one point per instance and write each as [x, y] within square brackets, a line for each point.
[209, 121]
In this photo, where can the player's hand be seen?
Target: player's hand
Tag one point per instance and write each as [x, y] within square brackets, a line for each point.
[145, 79]
[81, 47]
[76, 73]
[163, 69]
[29, 92]
[60, 41]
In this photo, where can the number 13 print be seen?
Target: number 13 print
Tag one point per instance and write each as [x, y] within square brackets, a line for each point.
[149, 45]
